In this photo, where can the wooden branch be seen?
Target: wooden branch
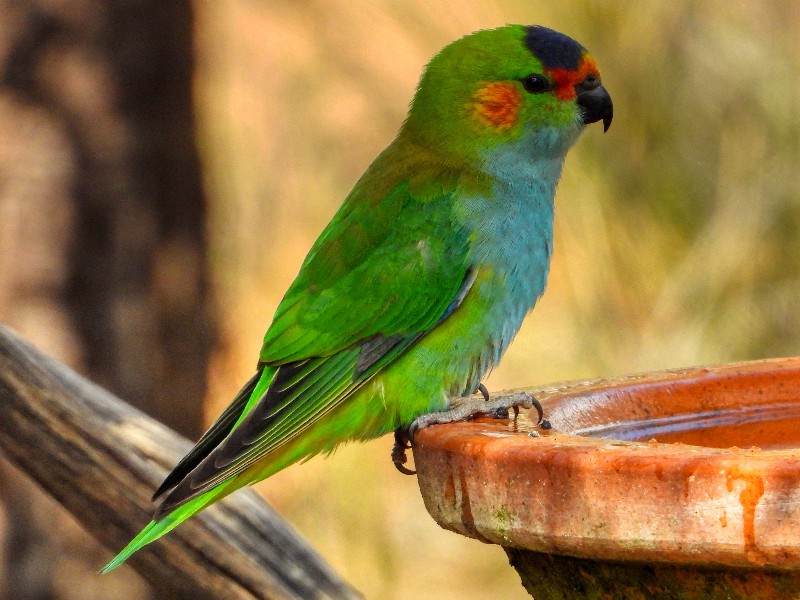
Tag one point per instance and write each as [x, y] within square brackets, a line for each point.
[101, 459]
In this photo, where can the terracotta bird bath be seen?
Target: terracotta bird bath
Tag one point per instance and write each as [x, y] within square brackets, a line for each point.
[679, 484]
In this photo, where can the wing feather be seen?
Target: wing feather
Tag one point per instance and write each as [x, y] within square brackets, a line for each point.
[347, 316]
[211, 438]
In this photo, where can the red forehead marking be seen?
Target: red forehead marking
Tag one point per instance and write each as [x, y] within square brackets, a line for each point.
[566, 80]
[497, 104]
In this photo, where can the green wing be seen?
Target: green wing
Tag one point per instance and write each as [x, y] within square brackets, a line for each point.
[376, 281]
[391, 269]
[211, 438]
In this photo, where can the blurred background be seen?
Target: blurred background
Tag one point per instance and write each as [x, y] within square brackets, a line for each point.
[165, 166]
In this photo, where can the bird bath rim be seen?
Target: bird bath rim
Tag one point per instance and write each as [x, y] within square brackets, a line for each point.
[567, 491]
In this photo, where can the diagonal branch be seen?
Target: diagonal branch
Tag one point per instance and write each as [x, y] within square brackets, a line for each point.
[101, 459]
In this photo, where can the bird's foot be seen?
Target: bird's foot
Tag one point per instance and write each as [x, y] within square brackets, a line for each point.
[463, 409]
[401, 444]
[502, 411]
[467, 408]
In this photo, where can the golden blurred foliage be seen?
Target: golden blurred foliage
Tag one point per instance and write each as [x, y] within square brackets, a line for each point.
[677, 232]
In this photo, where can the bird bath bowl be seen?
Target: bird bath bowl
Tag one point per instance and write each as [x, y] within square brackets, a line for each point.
[678, 484]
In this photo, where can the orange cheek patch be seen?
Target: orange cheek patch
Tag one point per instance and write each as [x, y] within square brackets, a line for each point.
[566, 80]
[497, 104]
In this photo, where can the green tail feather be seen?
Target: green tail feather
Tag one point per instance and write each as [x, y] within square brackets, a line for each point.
[156, 529]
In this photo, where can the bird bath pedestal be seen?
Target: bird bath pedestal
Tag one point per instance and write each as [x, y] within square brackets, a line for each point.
[679, 484]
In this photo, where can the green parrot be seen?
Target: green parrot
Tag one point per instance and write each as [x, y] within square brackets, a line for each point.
[416, 287]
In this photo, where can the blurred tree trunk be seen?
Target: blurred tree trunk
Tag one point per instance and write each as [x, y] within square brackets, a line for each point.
[102, 240]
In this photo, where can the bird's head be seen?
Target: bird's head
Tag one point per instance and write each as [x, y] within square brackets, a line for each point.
[494, 86]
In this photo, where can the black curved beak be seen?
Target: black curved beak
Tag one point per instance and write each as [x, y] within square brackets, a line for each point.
[596, 105]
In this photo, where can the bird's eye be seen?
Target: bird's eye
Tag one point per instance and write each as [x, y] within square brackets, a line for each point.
[536, 84]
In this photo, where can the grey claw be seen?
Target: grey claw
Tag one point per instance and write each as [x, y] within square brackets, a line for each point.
[539, 411]
[404, 470]
[484, 392]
